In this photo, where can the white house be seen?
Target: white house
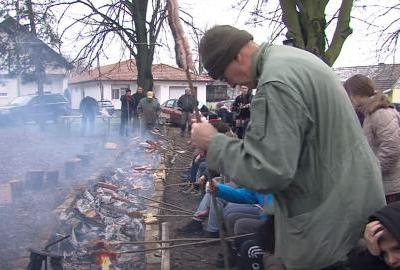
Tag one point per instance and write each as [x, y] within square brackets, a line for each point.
[13, 82]
[111, 81]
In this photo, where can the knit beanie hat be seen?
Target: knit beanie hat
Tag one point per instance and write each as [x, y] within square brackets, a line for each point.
[389, 216]
[219, 46]
[359, 85]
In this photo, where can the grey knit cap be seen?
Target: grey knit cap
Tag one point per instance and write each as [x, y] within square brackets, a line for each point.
[219, 46]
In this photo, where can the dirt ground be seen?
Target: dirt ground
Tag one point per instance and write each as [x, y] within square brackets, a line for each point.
[198, 257]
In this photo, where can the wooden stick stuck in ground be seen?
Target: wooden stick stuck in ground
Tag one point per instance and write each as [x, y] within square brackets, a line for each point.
[165, 254]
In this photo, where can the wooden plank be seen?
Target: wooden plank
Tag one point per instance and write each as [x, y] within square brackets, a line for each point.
[165, 254]
[5, 194]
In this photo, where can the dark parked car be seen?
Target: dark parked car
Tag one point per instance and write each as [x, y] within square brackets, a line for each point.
[171, 111]
[33, 108]
[106, 105]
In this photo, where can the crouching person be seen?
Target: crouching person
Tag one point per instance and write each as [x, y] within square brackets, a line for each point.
[382, 240]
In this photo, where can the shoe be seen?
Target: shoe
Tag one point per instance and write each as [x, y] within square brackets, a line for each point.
[207, 234]
[194, 227]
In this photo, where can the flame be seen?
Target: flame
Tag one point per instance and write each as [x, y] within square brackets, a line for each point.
[104, 261]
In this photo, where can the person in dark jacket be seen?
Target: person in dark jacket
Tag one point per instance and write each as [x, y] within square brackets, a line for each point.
[139, 95]
[223, 113]
[187, 103]
[88, 107]
[382, 239]
[126, 112]
[241, 108]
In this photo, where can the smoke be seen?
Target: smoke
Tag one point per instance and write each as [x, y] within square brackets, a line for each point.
[30, 220]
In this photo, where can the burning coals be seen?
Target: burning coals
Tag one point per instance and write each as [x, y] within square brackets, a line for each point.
[109, 211]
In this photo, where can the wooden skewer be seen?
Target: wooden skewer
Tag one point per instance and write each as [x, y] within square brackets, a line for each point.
[164, 203]
[156, 169]
[207, 241]
[178, 184]
[152, 206]
[158, 241]
[172, 215]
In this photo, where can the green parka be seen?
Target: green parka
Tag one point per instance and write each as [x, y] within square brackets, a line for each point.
[304, 144]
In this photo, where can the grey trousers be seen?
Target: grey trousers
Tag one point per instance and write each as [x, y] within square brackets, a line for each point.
[228, 209]
[186, 120]
[243, 223]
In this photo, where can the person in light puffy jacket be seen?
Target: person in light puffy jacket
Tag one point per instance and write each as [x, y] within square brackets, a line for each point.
[381, 127]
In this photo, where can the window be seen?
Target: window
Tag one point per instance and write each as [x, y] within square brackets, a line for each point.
[216, 92]
[115, 94]
[170, 103]
[123, 90]
[176, 91]
[117, 90]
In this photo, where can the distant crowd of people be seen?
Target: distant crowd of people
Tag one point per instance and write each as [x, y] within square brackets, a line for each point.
[138, 111]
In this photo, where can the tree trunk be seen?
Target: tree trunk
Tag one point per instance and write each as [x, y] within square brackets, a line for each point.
[39, 69]
[143, 57]
[306, 24]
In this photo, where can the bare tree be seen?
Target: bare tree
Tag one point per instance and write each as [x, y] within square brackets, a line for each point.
[20, 47]
[386, 15]
[305, 22]
[135, 24]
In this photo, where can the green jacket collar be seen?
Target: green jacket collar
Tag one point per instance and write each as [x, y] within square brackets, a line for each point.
[258, 60]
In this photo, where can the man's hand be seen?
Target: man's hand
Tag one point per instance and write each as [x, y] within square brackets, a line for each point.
[202, 182]
[212, 186]
[202, 134]
[373, 232]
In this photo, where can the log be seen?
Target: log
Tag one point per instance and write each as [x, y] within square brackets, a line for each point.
[85, 159]
[52, 178]
[17, 186]
[34, 180]
[71, 168]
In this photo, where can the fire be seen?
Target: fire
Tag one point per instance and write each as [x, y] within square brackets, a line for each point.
[104, 261]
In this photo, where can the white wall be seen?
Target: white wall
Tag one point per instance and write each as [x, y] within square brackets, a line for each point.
[9, 87]
[164, 87]
[79, 91]
[161, 89]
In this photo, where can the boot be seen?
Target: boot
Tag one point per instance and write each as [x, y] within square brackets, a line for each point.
[193, 228]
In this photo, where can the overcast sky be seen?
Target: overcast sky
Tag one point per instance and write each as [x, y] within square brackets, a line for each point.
[360, 48]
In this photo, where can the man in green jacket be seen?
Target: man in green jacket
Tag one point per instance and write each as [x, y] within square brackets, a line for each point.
[148, 110]
[303, 144]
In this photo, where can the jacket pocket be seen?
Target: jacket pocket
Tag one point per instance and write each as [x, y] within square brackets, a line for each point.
[258, 116]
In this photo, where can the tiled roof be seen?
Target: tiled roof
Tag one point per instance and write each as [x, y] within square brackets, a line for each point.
[385, 76]
[127, 71]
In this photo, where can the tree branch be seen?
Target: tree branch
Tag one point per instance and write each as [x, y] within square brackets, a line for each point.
[342, 31]
[292, 23]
